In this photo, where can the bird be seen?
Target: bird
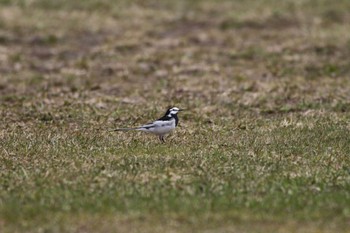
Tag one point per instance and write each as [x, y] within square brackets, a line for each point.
[160, 127]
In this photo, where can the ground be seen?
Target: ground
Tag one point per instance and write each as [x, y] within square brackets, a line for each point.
[263, 147]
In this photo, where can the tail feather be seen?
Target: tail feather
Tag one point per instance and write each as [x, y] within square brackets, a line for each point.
[123, 129]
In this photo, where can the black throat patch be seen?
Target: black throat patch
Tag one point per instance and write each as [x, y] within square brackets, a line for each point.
[168, 117]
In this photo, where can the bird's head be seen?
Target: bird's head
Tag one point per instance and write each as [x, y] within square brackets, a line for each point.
[173, 111]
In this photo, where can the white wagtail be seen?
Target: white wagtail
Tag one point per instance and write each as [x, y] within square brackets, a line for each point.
[160, 127]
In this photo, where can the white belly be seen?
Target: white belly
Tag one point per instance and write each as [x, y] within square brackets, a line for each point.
[159, 127]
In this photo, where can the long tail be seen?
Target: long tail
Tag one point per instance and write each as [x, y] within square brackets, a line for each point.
[123, 129]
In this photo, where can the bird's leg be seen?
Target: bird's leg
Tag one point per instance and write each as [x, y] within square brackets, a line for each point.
[161, 138]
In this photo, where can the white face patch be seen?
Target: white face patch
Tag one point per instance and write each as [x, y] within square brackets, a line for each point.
[174, 110]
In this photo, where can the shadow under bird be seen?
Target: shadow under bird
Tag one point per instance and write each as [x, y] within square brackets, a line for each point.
[160, 127]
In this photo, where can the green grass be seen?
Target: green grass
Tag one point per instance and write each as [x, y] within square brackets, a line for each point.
[264, 146]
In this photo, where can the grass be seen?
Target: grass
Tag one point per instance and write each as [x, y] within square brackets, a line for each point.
[264, 147]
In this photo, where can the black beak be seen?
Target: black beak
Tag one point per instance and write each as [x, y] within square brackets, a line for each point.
[182, 109]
